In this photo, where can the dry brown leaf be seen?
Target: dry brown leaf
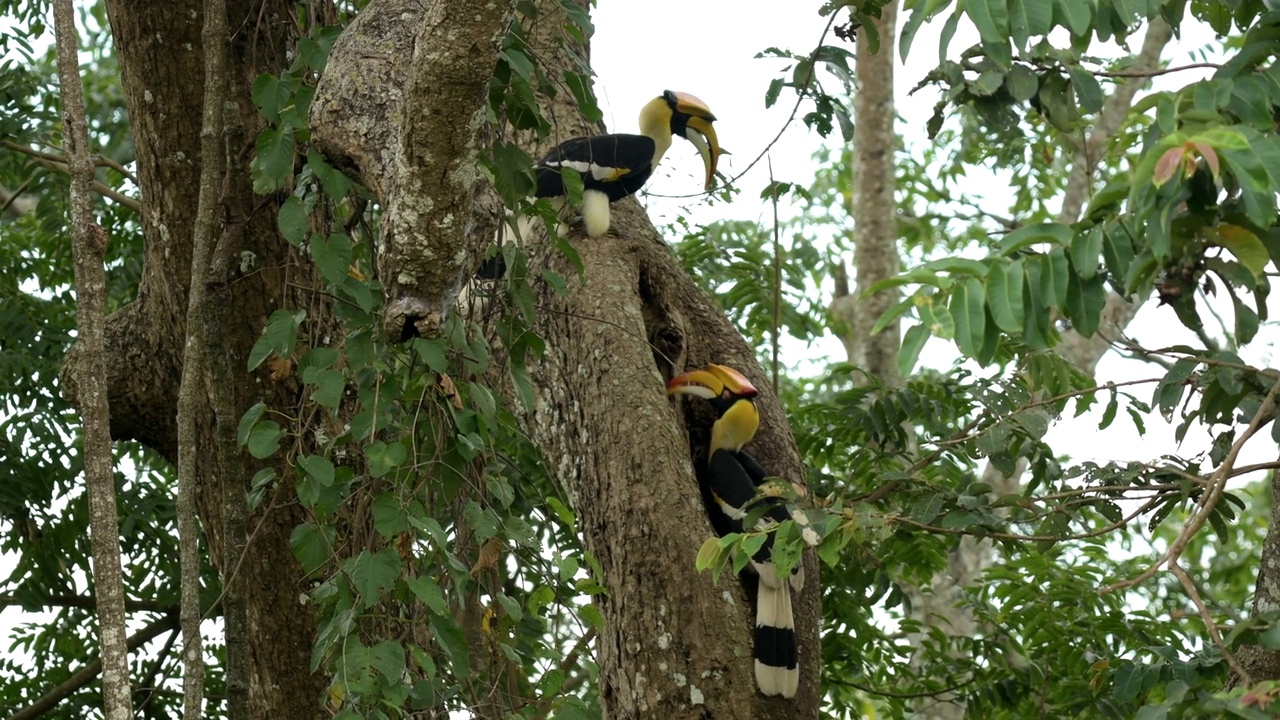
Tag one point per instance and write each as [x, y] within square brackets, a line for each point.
[280, 368]
[450, 390]
[490, 552]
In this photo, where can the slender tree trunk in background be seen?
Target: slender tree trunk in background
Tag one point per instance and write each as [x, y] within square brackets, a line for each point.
[192, 392]
[254, 272]
[875, 208]
[89, 244]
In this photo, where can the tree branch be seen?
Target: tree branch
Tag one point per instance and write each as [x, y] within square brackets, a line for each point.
[86, 674]
[89, 244]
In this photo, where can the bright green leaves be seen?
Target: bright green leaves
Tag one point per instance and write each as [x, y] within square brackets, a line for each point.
[968, 307]
[1018, 292]
[1004, 295]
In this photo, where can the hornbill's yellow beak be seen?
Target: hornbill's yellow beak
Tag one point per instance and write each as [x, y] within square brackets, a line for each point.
[697, 128]
[713, 381]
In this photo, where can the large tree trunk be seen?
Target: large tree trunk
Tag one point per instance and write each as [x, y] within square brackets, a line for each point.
[674, 645]
[161, 64]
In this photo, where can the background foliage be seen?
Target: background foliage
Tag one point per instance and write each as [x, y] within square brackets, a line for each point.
[471, 587]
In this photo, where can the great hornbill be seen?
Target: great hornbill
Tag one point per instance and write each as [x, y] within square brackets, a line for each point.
[732, 477]
[617, 165]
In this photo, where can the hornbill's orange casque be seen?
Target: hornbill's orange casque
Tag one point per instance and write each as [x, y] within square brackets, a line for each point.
[617, 165]
[733, 476]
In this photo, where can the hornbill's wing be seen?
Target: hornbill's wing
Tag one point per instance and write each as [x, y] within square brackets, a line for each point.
[616, 165]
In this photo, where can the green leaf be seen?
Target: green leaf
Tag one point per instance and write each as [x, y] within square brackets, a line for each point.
[388, 659]
[426, 590]
[771, 95]
[1004, 295]
[909, 29]
[580, 86]
[273, 160]
[1022, 82]
[991, 17]
[264, 439]
[1056, 271]
[372, 574]
[329, 387]
[270, 95]
[1026, 236]
[318, 468]
[708, 555]
[332, 256]
[968, 308]
[384, 457]
[248, 420]
[433, 353]
[937, 317]
[312, 545]
[948, 32]
[389, 516]
[1085, 301]
[1074, 15]
[573, 185]
[1088, 91]
[1246, 246]
[292, 221]
[955, 266]
[449, 636]
[988, 82]
[279, 337]
[1246, 324]
[1086, 249]
[912, 342]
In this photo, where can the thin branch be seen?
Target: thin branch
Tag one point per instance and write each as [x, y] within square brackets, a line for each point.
[890, 694]
[1209, 500]
[148, 685]
[8, 200]
[80, 601]
[1214, 632]
[58, 163]
[800, 98]
[1111, 527]
[1156, 72]
[92, 669]
[61, 158]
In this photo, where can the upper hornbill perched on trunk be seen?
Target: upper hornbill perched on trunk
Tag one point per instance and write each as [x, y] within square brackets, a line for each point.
[617, 165]
[731, 480]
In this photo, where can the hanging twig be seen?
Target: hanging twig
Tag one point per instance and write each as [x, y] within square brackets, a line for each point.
[777, 278]
[89, 244]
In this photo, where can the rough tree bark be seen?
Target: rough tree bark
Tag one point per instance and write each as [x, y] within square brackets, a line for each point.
[674, 645]
[158, 47]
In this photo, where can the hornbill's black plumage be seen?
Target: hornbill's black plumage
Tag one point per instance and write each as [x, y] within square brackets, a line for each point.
[732, 477]
[617, 165]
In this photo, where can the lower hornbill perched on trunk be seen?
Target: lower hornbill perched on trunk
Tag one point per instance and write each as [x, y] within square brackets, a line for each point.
[617, 165]
[731, 479]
